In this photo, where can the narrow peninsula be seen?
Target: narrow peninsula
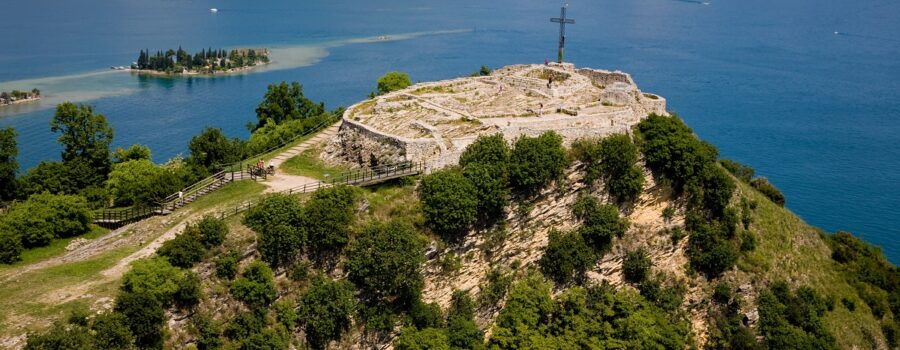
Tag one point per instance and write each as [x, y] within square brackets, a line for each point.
[207, 61]
[16, 96]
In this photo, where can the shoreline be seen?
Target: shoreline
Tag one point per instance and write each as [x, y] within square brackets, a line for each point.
[194, 73]
[20, 101]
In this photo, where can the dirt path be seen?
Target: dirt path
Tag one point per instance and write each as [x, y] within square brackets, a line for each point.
[281, 181]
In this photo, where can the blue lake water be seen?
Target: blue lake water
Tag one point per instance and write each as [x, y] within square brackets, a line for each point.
[807, 92]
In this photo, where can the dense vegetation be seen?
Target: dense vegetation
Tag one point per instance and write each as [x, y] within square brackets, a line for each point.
[16, 95]
[612, 159]
[206, 61]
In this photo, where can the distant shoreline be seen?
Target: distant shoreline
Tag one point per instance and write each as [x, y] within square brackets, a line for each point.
[24, 100]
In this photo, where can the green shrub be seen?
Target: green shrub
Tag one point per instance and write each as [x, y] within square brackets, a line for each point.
[212, 231]
[285, 313]
[211, 148]
[588, 152]
[184, 250]
[566, 257]
[710, 253]
[426, 315]
[665, 294]
[267, 339]
[485, 163]
[328, 215]
[8, 164]
[110, 331]
[43, 217]
[378, 317]
[256, 287]
[189, 291]
[274, 210]
[671, 150]
[10, 247]
[325, 311]
[535, 161]
[793, 320]
[154, 277]
[385, 260]
[722, 293]
[763, 185]
[140, 182]
[425, 339]
[208, 332]
[145, 317]
[636, 265]
[393, 81]
[300, 271]
[618, 156]
[599, 223]
[496, 285]
[227, 264]
[59, 336]
[449, 202]
[462, 331]
[279, 245]
[283, 103]
[740, 171]
[245, 324]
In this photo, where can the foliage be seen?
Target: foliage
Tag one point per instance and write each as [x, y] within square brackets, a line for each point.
[426, 315]
[273, 210]
[599, 223]
[425, 339]
[212, 231]
[486, 164]
[393, 81]
[671, 150]
[877, 281]
[636, 265]
[59, 336]
[52, 177]
[793, 320]
[765, 187]
[256, 287]
[462, 331]
[208, 332]
[449, 202]
[134, 182]
[285, 102]
[189, 291]
[155, 278]
[8, 164]
[327, 219]
[496, 285]
[279, 246]
[135, 152]
[227, 264]
[727, 329]
[285, 313]
[325, 311]
[740, 171]
[624, 180]
[267, 339]
[184, 250]
[566, 257]
[272, 135]
[384, 262]
[596, 317]
[145, 317]
[10, 247]
[110, 331]
[245, 324]
[710, 250]
[85, 137]
[44, 217]
[277, 221]
[211, 148]
[535, 161]
[663, 292]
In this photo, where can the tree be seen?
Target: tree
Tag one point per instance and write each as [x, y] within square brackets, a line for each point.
[111, 331]
[273, 210]
[211, 148]
[599, 223]
[51, 177]
[393, 81]
[765, 187]
[425, 339]
[10, 247]
[285, 102]
[325, 311]
[43, 217]
[267, 339]
[132, 182]
[212, 231]
[154, 277]
[328, 215]
[277, 220]
[636, 266]
[486, 164]
[256, 287]
[60, 336]
[189, 291]
[624, 179]
[145, 318]
[85, 136]
[425, 315]
[449, 202]
[8, 164]
[184, 250]
[135, 152]
[566, 257]
[535, 161]
[462, 331]
[385, 261]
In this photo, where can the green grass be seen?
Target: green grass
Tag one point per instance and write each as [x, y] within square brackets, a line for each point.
[308, 164]
[234, 192]
[395, 199]
[790, 250]
[57, 247]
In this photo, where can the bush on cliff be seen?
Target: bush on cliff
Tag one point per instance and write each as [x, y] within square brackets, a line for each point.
[599, 223]
[486, 164]
[325, 311]
[449, 201]
[327, 218]
[763, 185]
[384, 262]
[618, 155]
[393, 81]
[256, 287]
[535, 161]
[566, 257]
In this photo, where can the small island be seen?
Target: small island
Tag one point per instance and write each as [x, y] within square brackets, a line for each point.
[207, 61]
[16, 96]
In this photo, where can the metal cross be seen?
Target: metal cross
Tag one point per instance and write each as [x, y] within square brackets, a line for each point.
[562, 20]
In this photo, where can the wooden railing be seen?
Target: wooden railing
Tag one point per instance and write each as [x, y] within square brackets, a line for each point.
[115, 218]
[239, 165]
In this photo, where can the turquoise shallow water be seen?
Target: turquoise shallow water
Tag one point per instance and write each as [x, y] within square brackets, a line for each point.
[807, 92]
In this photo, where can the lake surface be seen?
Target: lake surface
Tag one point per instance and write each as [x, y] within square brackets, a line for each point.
[806, 92]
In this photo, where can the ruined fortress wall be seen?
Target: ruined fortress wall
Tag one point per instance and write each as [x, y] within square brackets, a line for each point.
[366, 146]
[606, 78]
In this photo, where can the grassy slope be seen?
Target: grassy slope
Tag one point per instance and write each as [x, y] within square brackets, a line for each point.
[789, 249]
[308, 164]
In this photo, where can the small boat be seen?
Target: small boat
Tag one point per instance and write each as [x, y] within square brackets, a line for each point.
[213, 10]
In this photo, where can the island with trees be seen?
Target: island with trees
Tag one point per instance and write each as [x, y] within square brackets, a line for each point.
[207, 61]
[16, 96]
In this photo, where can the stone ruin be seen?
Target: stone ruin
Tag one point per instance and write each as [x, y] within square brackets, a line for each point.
[434, 122]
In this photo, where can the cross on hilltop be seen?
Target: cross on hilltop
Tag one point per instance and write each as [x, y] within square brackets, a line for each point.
[562, 20]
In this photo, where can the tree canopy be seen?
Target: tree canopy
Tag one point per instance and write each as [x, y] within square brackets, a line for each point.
[325, 311]
[449, 201]
[535, 161]
[85, 136]
[8, 164]
[283, 102]
[393, 81]
[385, 261]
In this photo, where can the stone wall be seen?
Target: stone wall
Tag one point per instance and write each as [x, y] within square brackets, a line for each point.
[606, 78]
